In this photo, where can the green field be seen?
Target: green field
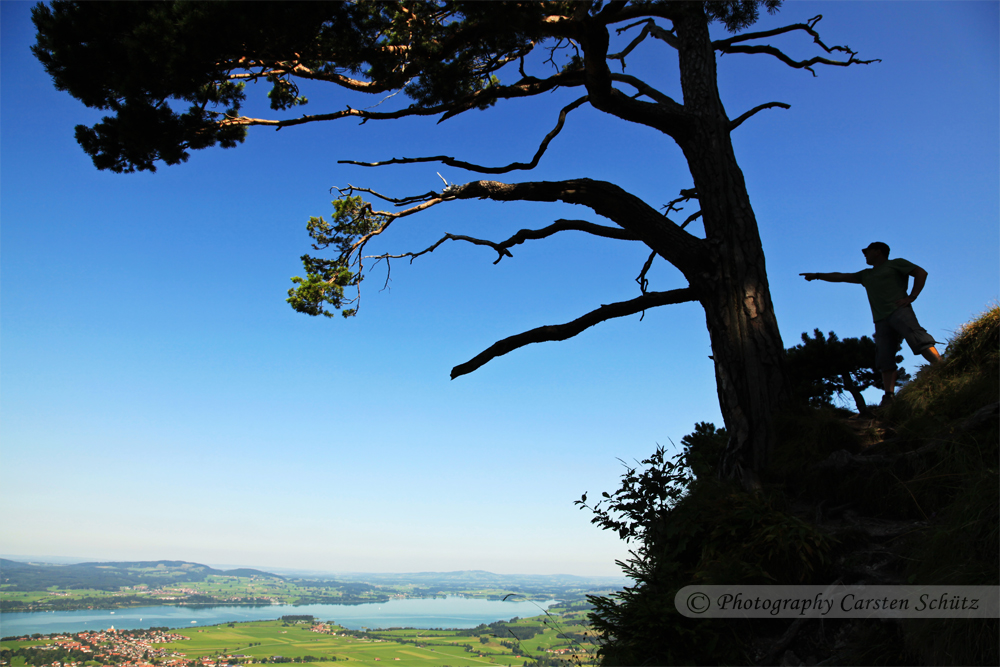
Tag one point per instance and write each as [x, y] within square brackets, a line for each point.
[262, 641]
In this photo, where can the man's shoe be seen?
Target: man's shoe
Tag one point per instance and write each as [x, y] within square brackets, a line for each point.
[886, 401]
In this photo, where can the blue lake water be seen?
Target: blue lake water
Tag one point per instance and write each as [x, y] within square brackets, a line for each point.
[447, 612]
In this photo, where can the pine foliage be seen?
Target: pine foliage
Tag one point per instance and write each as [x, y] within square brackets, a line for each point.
[825, 366]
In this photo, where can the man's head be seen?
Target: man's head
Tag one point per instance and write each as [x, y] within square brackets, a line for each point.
[876, 253]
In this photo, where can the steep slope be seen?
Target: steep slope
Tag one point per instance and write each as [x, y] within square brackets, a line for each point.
[910, 496]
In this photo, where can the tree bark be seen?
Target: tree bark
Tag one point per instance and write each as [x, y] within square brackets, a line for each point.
[746, 344]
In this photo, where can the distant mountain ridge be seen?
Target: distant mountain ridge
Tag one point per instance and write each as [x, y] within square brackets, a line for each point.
[110, 576]
[477, 577]
[33, 576]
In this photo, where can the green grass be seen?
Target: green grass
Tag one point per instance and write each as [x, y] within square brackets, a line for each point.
[428, 647]
[960, 489]
[12, 645]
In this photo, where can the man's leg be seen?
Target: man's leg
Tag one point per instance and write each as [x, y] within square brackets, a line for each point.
[931, 355]
[889, 382]
[886, 344]
[904, 321]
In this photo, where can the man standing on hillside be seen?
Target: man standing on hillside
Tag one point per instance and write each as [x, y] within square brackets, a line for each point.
[886, 284]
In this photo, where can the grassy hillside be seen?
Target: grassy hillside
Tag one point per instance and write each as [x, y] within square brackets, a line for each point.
[910, 496]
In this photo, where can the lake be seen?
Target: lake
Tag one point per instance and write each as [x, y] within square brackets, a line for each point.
[447, 612]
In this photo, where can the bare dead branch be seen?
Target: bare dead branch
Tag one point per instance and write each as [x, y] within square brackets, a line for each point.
[686, 195]
[570, 329]
[503, 248]
[799, 64]
[561, 43]
[691, 218]
[568, 225]
[649, 28]
[468, 166]
[770, 105]
[730, 45]
[398, 201]
[641, 278]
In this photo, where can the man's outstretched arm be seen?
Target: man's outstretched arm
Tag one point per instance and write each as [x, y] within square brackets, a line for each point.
[833, 277]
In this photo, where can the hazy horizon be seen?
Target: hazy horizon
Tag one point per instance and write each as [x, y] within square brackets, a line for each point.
[279, 569]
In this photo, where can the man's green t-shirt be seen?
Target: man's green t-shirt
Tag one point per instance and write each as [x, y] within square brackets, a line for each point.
[886, 285]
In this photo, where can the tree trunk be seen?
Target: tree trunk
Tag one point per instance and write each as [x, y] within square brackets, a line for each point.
[746, 344]
[852, 387]
[746, 347]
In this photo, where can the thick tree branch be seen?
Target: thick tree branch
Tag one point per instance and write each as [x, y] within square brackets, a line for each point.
[570, 329]
[637, 220]
[644, 88]
[427, 200]
[770, 105]
[468, 166]
[675, 245]
[663, 114]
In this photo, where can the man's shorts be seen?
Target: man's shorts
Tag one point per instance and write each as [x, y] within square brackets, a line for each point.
[891, 331]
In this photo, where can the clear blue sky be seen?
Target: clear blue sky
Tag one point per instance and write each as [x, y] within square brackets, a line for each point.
[160, 399]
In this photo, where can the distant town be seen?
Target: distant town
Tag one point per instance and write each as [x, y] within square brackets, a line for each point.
[131, 648]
